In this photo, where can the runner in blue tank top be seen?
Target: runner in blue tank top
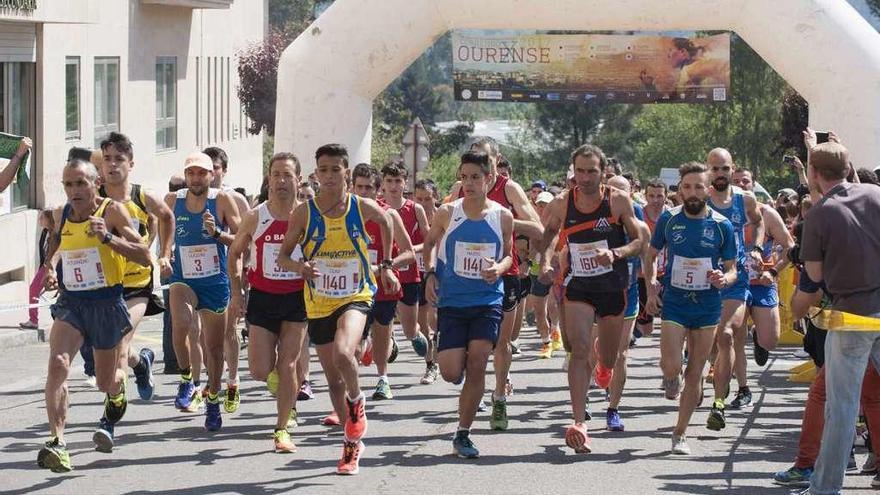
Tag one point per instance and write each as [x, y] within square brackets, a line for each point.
[700, 260]
[199, 284]
[740, 208]
[474, 239]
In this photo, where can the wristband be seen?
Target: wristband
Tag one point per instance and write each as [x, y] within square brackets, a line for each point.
[773, 272]
[386, 265]
[216, 234]
[107, 238]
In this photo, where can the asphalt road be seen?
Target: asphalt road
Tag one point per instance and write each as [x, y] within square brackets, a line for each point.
[408, 446]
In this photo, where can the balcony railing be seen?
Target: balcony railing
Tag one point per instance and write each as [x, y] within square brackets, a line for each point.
[18, 4]
[193, 4]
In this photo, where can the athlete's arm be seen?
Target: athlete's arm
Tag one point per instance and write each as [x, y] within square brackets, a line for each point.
[236, 251]
[434, 236]
[227, 209]
[507, 246]
[775, 227]
[723, 279]
[422, 220]
[165, 217]
[405, 255]
[50, 281]
[555, 215]
[375, 213]
[127, 242]
[296, 228]
[622, 208]
[757, 220]
[528, 224]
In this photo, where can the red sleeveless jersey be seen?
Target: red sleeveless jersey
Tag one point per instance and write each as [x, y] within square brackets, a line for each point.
[377, 255]
[264, 274]
[410, 274]
[498, 195]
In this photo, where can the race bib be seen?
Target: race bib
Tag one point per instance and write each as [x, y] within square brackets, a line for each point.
[271, 270]
[82, 269]
[691, 273]
[420, 262]
[374, 256]
[661, 262]
[338, 278]
[470, 258]
[583, 259]
[199, 261]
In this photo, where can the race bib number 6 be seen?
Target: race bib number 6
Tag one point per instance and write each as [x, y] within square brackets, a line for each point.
[470, 258]
[82, 269]
[691, 273]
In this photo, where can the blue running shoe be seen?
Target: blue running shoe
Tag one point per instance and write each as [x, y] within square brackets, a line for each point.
[463, 447]
[103, 436]
[185, 393]
[612, 420]
[213, 420]
[420, 345]
[144, 378]
[794, 476]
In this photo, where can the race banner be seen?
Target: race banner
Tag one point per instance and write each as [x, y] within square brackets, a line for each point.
[584, 68]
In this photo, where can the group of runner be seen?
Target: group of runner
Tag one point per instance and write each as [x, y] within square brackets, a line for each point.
[337, 269]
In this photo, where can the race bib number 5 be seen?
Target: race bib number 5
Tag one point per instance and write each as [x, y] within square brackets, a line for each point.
[82, 269]
[199, 261]
[271, 270]
[338, 278]
[691, 273]
[470, 258]
[583, 259]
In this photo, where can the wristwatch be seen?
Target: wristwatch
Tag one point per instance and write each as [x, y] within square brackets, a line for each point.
[107, 238]
[386, 264]
[757, 249]
[773, 272]
[216, 234]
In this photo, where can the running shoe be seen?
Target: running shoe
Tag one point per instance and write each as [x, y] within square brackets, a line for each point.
[91, 381]
[851, 465]
[794, 476]
[463, 447]
[103, 436]
[54, 456]
[395, 350]
[349, 464]
[761, 355]
[28, 325]
[356, 422]
[144, 379]
[530, 319]
[292, 419]
[482, 407]
[430, 375]
[498, 419]
[213, 419]
[710, 377]
[331, 419]
[115, 410]
[196, 400]
[679, 445]
[383, 391]
[514, 348]
[603, 375]
[588, 416]
[283, 443]
[546, 351]
[272, 382]
[367, 357]
[612, 420]
[716, 420]
[232, 399]
[743, 400]
[870, 465]
[508, 387]
[420, 345]
[305, 391]
[875, 481]
[672, 386]
[556, 339]
[577, 438]
[185, 392]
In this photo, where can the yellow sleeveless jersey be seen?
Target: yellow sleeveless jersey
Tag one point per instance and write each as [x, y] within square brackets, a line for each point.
[339, 248]
[86, 264]
[137, 276]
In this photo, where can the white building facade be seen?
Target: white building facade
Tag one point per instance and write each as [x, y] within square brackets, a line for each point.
[163, 72]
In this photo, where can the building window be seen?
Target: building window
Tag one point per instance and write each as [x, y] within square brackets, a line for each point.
[166, 103]
[106, 97]
[71, 97]
[17, 116]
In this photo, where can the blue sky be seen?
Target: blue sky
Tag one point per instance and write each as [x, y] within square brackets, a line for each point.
[862, 7]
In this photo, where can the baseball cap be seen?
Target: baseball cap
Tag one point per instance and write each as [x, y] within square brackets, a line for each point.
[540, 183]
[198, 160]
[544, 197]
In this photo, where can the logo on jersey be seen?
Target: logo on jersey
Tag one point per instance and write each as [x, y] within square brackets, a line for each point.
[736, 218]
[602, 225]
[678, 227]
[678, 237]
[709, 233]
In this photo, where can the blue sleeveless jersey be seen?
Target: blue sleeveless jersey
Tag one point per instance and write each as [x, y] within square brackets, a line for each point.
[460, 259]
[736, 213]
[199, 259]
[635, 262]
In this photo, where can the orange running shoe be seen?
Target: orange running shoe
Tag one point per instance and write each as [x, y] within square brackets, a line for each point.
[351, 457]
[367, 358]
[283, 443]
[603, 374]
[331, 419]
[576, 437]
[356, 422]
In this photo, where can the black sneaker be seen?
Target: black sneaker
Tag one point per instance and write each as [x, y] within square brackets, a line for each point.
[395, 350]
[742, 400]
[114, 412]
[716, 420]
[761, 354]
[103, 436]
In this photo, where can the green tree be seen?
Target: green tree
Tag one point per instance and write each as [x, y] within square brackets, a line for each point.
[667, 136]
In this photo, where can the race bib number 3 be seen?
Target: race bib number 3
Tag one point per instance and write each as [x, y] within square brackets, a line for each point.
[583, 259]
[82, 269]
[337, 278]
[271, 270]
[691, 273]
[200, 261]
[470, 258]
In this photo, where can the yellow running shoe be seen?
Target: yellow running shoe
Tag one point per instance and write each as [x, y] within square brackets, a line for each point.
[272, 382]
[232, 399]
[283, 443]
[546, 351]
[556, 339]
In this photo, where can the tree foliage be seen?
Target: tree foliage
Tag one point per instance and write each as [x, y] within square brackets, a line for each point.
[258, 73]
[875, 6]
